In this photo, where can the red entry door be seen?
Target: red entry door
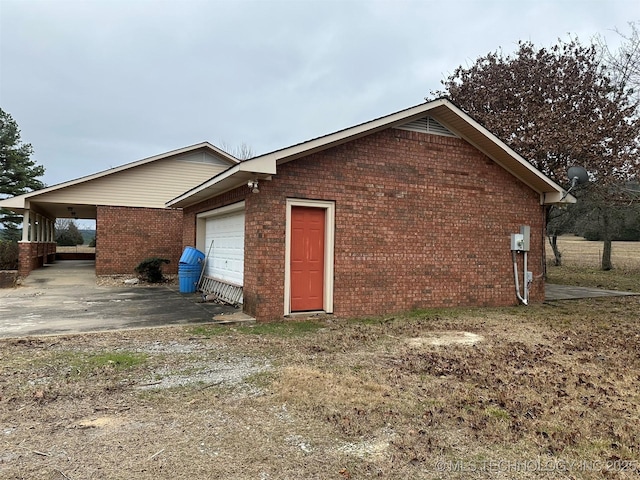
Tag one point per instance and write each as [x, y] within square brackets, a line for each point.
[307, 258]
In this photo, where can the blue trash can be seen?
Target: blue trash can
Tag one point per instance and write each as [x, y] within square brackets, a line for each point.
[188, 276]
[191, 256]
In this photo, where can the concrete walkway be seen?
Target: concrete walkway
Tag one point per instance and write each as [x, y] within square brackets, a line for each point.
[64, 273]
[64, 298]
[568, 292]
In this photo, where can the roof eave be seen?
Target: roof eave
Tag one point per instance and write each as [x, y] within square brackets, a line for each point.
[349, 134]
[231, 178]
[203, 145]
[266, 164]
[557, 198]
[443, 110]
[15, 204]
[477, 135]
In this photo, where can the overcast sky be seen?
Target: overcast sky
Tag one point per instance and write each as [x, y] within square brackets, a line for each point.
[96, 84]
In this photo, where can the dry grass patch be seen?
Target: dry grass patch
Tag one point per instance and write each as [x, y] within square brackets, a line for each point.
[445, 338]
[578, 252]
[302, 385]
[581, 265]
[551, 390]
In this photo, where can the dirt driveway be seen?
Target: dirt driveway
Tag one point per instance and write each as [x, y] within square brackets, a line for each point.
[64, 298]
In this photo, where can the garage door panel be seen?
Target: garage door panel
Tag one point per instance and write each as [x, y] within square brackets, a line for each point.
[226, 259]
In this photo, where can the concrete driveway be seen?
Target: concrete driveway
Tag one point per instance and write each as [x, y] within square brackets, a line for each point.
[64, 298]
[555, 292]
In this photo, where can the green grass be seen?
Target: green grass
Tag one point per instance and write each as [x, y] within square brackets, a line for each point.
[115, 360]
[498, 413]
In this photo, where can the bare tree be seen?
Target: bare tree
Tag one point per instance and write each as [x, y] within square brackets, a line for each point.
[241, 152]
[623, 63]
[557, 107]
[67, 233]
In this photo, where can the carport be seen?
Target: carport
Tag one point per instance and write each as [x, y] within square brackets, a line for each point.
[38, 246]
[128, 205]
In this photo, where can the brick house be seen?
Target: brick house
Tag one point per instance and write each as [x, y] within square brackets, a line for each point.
[411, 210]
[128, 205]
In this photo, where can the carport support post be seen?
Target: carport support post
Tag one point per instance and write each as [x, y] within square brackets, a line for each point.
[25, 226]
[38, 228]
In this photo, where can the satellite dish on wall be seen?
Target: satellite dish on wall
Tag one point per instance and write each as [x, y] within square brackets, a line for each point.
[577, 175]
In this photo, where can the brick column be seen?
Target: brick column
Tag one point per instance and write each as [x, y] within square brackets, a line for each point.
[27, 253]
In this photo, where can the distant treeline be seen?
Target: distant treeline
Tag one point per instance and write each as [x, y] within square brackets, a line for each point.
[87, 236]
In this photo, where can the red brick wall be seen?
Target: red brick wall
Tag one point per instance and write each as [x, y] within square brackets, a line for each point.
[32, 255]
[421, 221]
[125, 236]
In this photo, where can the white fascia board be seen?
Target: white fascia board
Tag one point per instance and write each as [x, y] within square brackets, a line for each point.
[266, 164]
[306, 148]
[14, 203]
[258, 165]
[557, 198]
[322, 143]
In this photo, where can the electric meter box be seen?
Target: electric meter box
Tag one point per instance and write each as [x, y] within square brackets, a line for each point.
[517, 242]
[520, 241]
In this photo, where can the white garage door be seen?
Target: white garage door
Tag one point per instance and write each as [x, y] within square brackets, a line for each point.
[226, 259]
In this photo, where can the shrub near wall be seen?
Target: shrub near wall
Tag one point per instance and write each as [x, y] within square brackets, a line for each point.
[8, 263]
[8, 255]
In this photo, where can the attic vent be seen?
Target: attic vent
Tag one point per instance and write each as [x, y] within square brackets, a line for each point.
[427, 125]
[202, 157]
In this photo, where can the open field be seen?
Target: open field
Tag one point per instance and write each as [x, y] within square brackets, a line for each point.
[550, 391]
[578, 252]
[581, 264]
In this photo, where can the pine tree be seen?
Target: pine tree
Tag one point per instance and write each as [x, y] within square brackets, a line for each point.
[18, 173]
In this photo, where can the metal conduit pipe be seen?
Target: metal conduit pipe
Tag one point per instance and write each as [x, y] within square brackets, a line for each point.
[524, 300]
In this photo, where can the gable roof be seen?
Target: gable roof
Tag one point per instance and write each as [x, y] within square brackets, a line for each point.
[80, 191]
[442, 110]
